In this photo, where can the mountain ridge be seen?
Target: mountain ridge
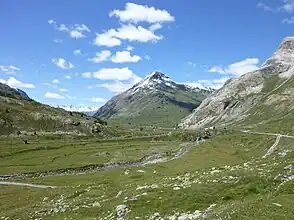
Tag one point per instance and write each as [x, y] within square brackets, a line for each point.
[241, 99]
[156, 93]
[7, 91]
[21, 114]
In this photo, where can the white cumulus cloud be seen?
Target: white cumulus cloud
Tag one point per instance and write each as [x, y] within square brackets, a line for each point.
[288, 6]
[68, 77]
[285, 6]
[122, 78]
[155, 27]
[117, 86]
[57, 40]
[97, 99]
[213, 83]
[114, 74]
[63, 90]
[288, 20]
[266, 7]
[101, 56]
[51, 22]
[76, 34]
[128, 32]
[52, 95]
[125, 57]
[141, 13]
[14, 83]
[9, 69]
[55, 81]
[217, 69]
[77, 52]
[107, 40]
[120, 86]
[87, 75]
[46, 84]
[238, 68]
[62, 63]
[190, 63]
[76, 31]
[129, 48]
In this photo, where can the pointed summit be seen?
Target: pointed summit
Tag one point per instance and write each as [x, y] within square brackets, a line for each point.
[151, 98]
[154, 80]
[156, 75]
[284, 55]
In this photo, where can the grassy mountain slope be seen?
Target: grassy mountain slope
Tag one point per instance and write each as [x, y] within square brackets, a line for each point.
[156, 100]
[20, 114]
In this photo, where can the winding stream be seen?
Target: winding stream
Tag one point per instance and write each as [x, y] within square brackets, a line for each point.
[152, 159]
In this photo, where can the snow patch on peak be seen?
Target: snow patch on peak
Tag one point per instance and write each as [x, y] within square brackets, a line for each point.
[197, 86]
[155, 81]
[152, 81]
[156, 75]
[153, 73]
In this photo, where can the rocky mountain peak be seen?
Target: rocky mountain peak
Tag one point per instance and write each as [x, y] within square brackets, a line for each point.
[154, 80]
[154, 96]
[241, 98]
[284, 55]
[156, 75]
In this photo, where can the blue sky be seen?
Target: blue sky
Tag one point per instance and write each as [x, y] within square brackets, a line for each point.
[84, 52]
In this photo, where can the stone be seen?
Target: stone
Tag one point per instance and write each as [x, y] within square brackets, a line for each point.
[121, 212]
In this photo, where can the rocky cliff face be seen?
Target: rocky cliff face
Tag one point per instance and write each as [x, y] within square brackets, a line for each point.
[236, 100]
[284, 56]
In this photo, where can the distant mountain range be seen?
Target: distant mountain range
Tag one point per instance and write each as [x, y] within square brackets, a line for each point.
[264, 97]
[155, 100]
[88, 110]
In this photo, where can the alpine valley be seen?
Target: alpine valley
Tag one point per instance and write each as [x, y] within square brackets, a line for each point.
[161, 150]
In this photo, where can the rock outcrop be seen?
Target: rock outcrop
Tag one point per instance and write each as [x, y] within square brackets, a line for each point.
[234, 101]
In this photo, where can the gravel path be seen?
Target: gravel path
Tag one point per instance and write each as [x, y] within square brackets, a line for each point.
[26, 184]
[273, 148]
[264, 133]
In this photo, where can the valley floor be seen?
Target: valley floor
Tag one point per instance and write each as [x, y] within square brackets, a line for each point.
[233, 175]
